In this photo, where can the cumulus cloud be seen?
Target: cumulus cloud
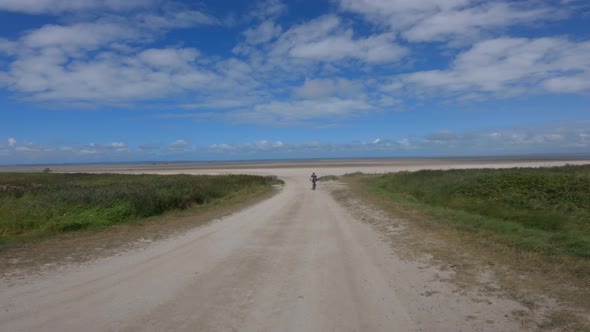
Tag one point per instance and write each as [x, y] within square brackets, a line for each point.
[105, 60]
[430, 20]
[268, 9]
[501, 142]
[326, 39]
[578, 83]
[263, 33]
[119, 146]
[178, 146]
[552, 138]
[247, 147]
[322, 68]
[31, 152]
[168, 57]
[8, 47]
[107, 77]
[179, 143]
[88, 36]
[511, 66]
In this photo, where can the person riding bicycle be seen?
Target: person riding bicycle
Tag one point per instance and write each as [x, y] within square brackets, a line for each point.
[313, 178]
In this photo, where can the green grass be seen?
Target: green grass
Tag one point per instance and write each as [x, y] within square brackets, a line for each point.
[544, 210]
[38, 204]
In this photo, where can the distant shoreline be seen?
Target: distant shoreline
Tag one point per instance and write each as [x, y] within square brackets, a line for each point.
[533, 157]
[286, 163]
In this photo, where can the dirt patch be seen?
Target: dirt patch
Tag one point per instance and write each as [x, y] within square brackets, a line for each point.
[473, 270]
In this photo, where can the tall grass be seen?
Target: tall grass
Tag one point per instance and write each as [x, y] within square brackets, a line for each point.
[544, 210]
[53, 203]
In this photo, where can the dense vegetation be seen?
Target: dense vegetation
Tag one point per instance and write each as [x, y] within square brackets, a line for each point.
[53, 203]
[546, 210]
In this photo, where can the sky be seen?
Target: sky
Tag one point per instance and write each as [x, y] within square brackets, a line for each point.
[86, 81]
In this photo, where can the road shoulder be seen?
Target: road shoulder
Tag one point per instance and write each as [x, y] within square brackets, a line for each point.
[450, 271]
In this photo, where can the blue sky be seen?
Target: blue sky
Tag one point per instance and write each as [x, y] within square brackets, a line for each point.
[153, 80]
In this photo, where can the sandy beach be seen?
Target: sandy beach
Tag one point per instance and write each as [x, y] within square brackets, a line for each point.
[303, 167]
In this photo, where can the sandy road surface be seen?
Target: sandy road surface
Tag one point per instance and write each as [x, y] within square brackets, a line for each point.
[295, 262]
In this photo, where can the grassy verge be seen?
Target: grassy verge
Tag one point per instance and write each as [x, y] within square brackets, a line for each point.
[529, 228]
[545, 210]
[40, 205]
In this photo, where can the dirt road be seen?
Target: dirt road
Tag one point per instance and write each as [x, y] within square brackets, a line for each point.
[296, 262]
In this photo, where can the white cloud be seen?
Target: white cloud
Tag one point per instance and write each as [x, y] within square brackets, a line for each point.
[298, 112]
[326, 39]
[104, 61]
[402, 14]
[179, 143]
[55, 7]
[263, 33]
[458, 23]
[88, 151]
[405, 143]
[248, 148]
[221, 147]
[282, 74]
[169, 57]
[572, 139]
[87, 36]
[268, 9]
[551, 138]
[264, 144]
[118, 145]
[511, 66]
[239, 101]
[107, 77]
[574, 84]
[8, 47]
[434, 20]
[11, 142]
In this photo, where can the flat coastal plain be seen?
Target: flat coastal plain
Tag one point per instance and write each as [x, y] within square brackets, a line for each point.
[293, 168]
[298, 261]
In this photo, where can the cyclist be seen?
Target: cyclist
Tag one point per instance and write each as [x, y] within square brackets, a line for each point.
[313, 178]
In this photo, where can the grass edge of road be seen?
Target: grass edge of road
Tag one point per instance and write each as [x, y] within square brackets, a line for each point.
[38, 205]
[527, 277]
[46, 253]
